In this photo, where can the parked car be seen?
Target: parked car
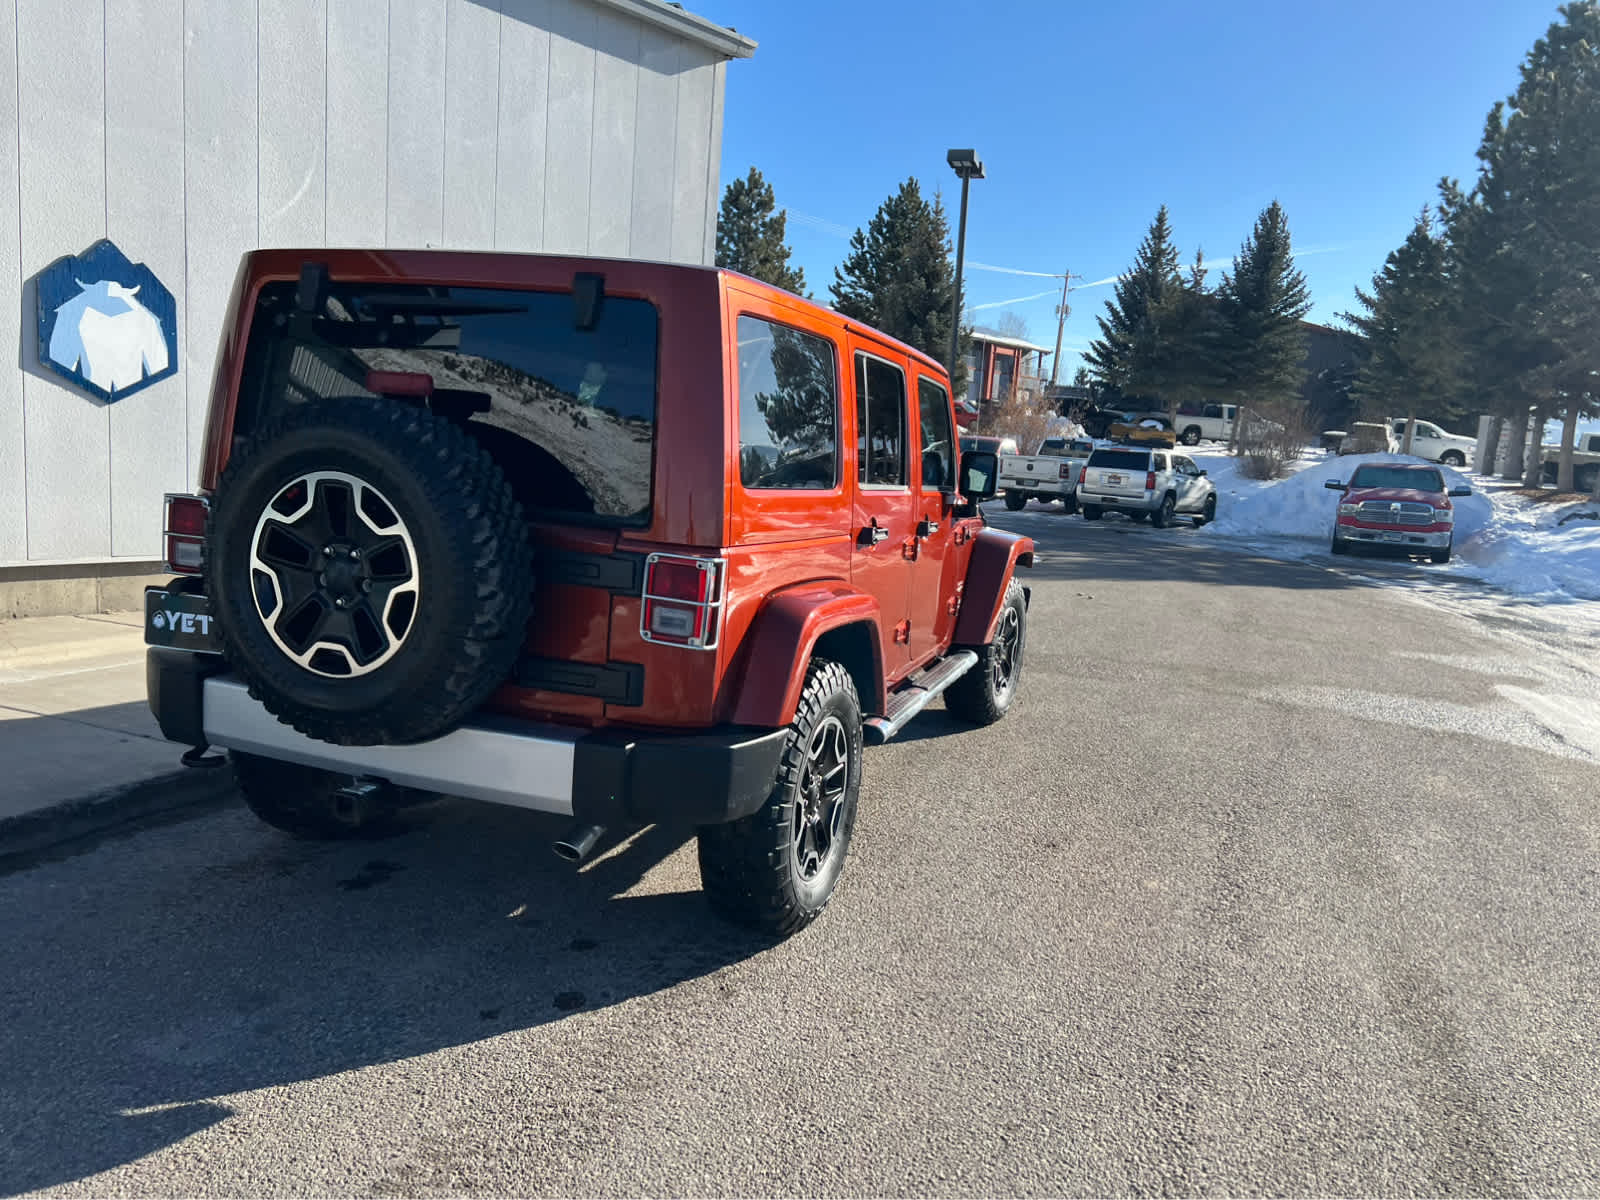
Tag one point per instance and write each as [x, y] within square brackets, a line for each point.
[1205, 422]
[1396, 504]
[1147, 429]
[1369, 437]
[1145, 483]
[732, 597]
[1585, 463]
[1051, 473]
[1098, 421]
[1430, 442]
[989, 444]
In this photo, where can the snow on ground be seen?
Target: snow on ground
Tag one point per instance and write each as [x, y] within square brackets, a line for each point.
[1516, 545]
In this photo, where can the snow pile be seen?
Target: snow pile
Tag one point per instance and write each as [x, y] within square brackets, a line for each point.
[1300, 507]
[1531, 549]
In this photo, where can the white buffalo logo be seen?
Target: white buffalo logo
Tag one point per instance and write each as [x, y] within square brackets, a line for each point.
[108, 337]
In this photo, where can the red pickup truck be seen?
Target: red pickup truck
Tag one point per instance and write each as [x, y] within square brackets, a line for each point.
[1396, 504]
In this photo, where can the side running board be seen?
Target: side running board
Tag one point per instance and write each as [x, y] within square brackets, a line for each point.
[911, 699]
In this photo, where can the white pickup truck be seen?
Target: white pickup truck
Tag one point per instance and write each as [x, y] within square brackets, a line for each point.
[1434, 444]
[1051, 473]
[1585, 462]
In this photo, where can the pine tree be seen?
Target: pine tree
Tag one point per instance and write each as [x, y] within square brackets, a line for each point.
[1534, 225]
[1413, 363]
[750, 233]
[1261, 303]
[1130, 330]
[899, 277]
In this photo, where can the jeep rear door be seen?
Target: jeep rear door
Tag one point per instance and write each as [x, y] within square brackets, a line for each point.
[885, 515]
[933, 563]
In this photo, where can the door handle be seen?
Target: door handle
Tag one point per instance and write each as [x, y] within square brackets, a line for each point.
[872, 534]
[927, 528]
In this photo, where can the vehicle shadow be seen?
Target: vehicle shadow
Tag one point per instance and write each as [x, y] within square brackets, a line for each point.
[138, 990]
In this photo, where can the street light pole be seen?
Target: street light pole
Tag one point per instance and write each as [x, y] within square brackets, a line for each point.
[968, 167]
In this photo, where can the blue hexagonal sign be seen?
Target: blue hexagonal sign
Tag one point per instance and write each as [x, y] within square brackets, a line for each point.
[106, 325]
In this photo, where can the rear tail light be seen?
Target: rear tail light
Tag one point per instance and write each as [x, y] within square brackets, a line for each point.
[1149, 481]
[1065, 471]
[185, 533]
[682, 600]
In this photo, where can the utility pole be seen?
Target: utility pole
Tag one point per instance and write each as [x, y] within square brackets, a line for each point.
[1063, 311]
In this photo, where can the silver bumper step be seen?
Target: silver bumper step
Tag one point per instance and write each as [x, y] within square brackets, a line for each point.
[525, 766]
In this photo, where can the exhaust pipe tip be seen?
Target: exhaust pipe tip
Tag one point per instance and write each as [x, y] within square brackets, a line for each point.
[578, 842]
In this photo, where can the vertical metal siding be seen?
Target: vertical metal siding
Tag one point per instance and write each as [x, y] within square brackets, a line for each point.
[189, 131]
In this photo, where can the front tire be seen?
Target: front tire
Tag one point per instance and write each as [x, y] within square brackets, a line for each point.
[1208, 513]
[1339, 546]
[985, 693]
[775, 870]
[1441, 556]
[1015, 501]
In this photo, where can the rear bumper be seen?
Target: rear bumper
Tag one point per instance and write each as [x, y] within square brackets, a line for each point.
[1143, 502]
[604, 777]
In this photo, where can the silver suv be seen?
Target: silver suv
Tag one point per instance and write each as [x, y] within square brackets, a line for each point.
[1158, 484]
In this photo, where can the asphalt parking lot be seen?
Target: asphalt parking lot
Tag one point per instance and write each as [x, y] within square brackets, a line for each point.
[1274, 882]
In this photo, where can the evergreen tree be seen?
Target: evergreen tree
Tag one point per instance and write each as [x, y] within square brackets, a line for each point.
[1533, 225]
[1129, 344]
[899, 276]
[1413, 363]
[750, 233]
[1261, 303]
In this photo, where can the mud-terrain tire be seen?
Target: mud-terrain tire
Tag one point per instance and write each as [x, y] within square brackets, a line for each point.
[425, 513]
[775, 870]
[1016, 501]
[985, 693]
[300, 800]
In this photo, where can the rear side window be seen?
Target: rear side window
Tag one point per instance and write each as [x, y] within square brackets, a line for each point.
[1121, 460]
[788, 408]
[938, 460]
[1055, 447]
[880, 421]
[568, 412]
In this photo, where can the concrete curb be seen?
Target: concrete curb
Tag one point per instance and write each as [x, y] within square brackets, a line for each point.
[101, 812]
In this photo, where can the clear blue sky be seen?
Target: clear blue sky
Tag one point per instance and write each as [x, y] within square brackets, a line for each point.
[1089, 115]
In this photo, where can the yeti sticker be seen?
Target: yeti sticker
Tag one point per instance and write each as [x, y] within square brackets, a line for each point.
[106, 325]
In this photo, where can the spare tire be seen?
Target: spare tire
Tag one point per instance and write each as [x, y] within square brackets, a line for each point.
[369, 571]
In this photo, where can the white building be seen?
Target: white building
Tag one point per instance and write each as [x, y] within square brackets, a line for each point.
[189, 131]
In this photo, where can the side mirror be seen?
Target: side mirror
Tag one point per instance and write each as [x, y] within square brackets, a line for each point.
[1201, 474]
[1333, 485]
[979, 471]
[1461, 491]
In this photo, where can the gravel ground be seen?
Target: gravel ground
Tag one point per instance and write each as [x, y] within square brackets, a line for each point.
[1274, 882]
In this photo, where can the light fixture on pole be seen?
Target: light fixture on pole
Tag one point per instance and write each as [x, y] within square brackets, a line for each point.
[967, 166]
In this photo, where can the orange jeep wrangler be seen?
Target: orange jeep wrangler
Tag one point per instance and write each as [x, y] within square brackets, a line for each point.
[628, 542]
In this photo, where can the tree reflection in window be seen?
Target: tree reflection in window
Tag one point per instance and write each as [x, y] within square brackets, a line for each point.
[788, 408]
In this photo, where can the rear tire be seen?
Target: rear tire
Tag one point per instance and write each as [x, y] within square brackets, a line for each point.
[1162, 517]
[1015, 501]
[985, 693]
[1453, 458]
[300, 800]
[775, 870]
[1069, 503]
[1091, 512]
[1191, 436]
[1138, 517]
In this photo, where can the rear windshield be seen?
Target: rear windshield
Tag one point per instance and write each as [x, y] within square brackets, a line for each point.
[1121, 460]
[569, 413]
[1423, 479]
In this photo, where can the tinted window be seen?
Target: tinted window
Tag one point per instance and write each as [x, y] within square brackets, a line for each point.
[1213, 410]
[788, 408]
[938, 461]
[1423, 479]
[569, 413]
[1120, 460]
[1056, 447]
[1160, 463]
[1184, 466]
[880, 421]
